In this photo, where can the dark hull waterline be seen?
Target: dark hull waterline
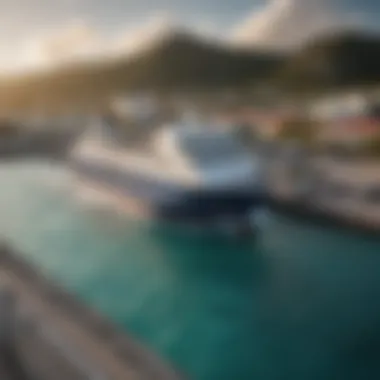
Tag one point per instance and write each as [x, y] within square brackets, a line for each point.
[171, 202]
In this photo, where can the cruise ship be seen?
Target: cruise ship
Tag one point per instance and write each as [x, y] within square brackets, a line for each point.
[187, 172]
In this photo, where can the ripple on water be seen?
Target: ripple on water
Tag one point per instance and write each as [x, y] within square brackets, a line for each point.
[299, 302]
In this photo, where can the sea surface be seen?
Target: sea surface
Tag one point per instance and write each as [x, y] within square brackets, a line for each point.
[298, 302]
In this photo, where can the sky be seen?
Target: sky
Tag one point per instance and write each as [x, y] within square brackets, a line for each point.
[42, 33]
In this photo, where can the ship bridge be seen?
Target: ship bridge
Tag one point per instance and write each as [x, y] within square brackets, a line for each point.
[214, 154]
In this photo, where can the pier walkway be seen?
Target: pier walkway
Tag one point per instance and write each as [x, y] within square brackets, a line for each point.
[47, 334]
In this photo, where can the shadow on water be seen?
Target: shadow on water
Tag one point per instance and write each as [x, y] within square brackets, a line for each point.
[220, 278]
[295, 303]
[190, 296]
[283, 314]
[212, 253]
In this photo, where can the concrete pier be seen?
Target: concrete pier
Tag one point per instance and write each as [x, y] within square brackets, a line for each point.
[48, 334]
[325, 190]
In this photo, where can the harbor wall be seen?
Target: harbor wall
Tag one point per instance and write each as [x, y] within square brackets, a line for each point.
[344, 192]
[68, 332]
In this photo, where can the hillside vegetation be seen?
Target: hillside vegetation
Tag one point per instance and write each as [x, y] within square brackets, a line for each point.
[335, 61]
[180, 63]
[183, 63]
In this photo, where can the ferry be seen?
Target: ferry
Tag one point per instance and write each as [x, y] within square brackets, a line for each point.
[188, 173]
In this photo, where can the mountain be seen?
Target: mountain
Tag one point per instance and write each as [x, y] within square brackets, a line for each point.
[178, 63]
[347, 59]
[181, 62]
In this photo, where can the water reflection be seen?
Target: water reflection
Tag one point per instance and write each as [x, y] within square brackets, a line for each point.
[298, 302]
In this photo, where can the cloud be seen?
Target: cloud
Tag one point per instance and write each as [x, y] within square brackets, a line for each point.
[285, 24]
[76, 40]
[157, 27]
[281, 24]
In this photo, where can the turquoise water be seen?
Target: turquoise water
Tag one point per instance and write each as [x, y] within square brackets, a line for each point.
[297, 303]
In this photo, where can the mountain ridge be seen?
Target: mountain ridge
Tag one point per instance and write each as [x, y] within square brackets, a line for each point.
[342, 59]
[182, 62]
[179, 61]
